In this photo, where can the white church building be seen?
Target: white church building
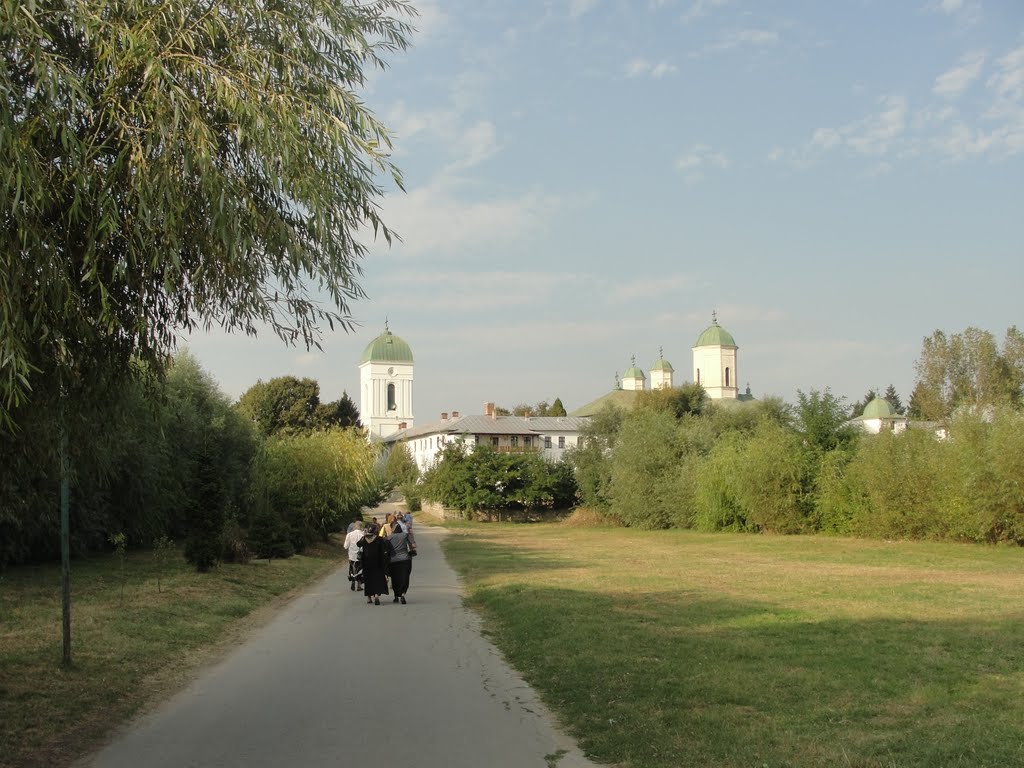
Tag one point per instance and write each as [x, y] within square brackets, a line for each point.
[715, 358]
[386, 401]
[385, 385]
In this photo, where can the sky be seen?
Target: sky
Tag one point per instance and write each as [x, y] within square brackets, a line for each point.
[588, 180]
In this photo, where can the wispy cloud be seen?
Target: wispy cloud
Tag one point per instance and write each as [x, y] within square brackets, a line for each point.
[826, 138]
[1000, 131]
[876, 133]
[872, 136]
[578, 8]
[430, 21]
[955, 81]
[653, 287]
[458, 292]
[938, 130]
[437, 219]
[700, 157]
[701, 8]
[476, 143]
[656, 70]
[1008, 80]
[738, 38]
[966, 12]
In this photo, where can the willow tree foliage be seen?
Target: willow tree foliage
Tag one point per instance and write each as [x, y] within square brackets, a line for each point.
[169, 165]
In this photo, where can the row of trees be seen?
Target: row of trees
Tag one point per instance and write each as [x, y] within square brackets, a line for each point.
[676, 461]
[541, 408]
[175, 459]
[768, 468]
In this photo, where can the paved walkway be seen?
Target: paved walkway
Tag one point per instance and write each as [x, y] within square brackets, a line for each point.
[332, 681]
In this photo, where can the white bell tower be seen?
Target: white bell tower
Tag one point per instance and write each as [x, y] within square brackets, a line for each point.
[714, 362]
[385, 385]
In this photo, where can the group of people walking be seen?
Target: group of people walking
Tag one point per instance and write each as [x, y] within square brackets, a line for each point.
[377, 553]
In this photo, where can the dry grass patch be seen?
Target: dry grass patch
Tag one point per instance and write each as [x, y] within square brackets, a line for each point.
[674, 648]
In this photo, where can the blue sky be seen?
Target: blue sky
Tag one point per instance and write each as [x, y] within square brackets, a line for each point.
[588, 179]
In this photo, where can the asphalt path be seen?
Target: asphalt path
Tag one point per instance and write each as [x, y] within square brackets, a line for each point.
[332, 681]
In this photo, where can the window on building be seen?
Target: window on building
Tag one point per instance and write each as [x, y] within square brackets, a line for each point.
[391, 398]
[514, 440]
[476, 439]
[527, 442]
[698, 375]
[547, 441]
[727, 377]
[494, 442]
[561, 441]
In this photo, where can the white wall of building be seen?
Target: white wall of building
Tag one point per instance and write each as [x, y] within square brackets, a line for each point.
[374, 380]
[714, 368]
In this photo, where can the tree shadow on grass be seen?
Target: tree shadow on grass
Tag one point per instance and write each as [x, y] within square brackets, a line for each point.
[677, 679]
[482, 559]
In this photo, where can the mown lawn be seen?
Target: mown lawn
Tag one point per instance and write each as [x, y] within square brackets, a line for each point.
[673, 648]
[126, 649]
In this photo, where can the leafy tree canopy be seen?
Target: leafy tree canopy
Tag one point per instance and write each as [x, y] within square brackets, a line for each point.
[542, 408]
[167, 166]
[822, 421]
[968, 370]
[690, 398]
[287, 405]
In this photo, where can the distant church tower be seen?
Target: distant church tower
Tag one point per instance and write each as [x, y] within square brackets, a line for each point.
[714, 362]
[661, 372]
[385, 385]
[633, 378]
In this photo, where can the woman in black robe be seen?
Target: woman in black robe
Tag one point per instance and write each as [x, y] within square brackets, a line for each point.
[376, 560]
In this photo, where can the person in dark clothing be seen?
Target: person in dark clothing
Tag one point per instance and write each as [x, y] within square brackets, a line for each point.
[376, 560]
[402, 543]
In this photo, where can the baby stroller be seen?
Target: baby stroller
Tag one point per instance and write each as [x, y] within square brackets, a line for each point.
[355, 575]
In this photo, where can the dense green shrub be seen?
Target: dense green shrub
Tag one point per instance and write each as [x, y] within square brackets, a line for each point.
[591, 458]
[483, 479]
[400, 468]
[989, 455]
[646, 488]
[234, 542]
[135, 450]
[269, 536]
[771, 480]
[315, 482]
[716, 506]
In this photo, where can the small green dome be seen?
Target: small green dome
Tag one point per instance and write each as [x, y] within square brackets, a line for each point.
[387, 348]
[879, 408]
[633, 373]
[715, 335]
[662, 365]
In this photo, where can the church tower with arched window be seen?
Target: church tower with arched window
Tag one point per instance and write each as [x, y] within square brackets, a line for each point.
[385, 385]
[714, 362]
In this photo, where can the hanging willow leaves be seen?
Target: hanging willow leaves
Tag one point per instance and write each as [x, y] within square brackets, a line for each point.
[168, 165]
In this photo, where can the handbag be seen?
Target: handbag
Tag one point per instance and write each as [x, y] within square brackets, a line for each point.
[413, 552]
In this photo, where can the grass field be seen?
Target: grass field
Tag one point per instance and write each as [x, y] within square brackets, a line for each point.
[126, 649]
[673, 648]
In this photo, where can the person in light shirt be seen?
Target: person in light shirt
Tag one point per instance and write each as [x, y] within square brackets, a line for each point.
[355, 556]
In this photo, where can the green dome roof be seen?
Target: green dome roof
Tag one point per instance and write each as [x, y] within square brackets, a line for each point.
[633, 373]
[387, 348]
[715, 335]
[662, 365]
[879, 408]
